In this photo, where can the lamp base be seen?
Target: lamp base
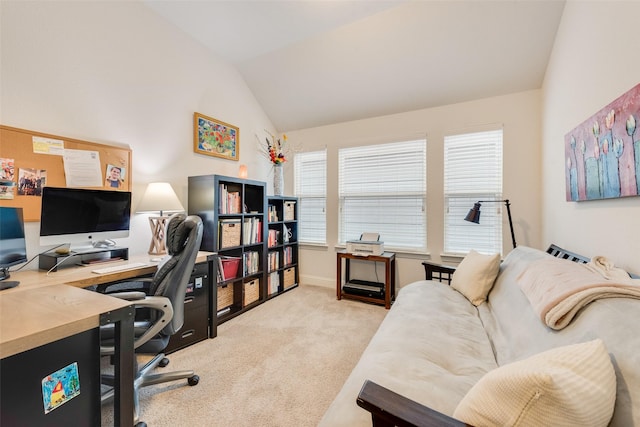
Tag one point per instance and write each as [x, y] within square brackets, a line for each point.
[158, 226]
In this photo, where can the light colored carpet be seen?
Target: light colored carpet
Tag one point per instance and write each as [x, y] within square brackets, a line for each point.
[279, 364]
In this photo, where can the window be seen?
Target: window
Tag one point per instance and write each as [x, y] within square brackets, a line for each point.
[473, 172]
[382, 189]
[310, 176]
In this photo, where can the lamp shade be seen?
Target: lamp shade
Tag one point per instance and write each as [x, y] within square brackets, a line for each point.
[474, 214]
[159, 196]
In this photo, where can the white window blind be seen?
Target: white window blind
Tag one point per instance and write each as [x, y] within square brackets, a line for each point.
[382, 189]
[473, 172]
[310, 177]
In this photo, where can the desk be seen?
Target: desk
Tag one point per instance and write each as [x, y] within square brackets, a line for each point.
[34, 317]
[389, 260]
[46, 308]
[80, 276]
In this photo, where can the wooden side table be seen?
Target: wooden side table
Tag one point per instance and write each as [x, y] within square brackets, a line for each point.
[436, 271]
[389, 260]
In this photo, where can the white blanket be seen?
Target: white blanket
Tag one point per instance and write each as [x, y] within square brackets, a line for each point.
[557, 289]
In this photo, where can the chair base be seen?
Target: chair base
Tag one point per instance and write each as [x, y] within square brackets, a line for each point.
[145, 378]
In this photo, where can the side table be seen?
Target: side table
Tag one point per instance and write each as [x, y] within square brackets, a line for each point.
[389, 260]
[440, 272]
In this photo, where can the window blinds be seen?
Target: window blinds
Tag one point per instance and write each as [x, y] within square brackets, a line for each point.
[473, 172]
[310, 182]
[382, 189]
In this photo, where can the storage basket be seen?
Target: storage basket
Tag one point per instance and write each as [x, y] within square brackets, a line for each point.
[229, 267]
[289, 211]
[289, 277]
[225, 296]
[251, 292]
[230, 233]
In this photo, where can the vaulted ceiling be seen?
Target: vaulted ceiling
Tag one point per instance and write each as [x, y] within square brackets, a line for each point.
[312, 63]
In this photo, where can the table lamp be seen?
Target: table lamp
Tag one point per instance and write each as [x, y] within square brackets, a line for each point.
[159, 196]
[474, 215]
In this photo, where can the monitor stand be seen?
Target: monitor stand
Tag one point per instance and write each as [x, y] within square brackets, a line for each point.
[51, 261]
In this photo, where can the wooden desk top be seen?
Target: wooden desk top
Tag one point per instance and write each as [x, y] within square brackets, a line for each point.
[41, 315]
[82, 276]
[47, 307]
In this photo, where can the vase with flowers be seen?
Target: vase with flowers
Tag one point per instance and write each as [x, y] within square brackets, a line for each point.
[276, 151]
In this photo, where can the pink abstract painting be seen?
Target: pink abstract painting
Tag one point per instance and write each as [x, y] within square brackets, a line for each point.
[602, 155]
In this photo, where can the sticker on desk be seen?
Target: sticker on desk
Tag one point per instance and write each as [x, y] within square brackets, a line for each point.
[60, 387]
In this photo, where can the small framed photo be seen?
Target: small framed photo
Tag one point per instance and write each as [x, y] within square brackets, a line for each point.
[215, 138]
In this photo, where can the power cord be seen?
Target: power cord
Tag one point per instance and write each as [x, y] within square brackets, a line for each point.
[35, 256]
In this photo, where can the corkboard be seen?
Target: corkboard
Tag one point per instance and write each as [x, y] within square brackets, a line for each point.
[18, 144]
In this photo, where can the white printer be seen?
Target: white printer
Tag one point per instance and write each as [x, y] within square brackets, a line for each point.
[369, 244]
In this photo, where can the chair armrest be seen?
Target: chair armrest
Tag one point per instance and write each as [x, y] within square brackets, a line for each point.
[440, 272]
[390, 409]
[163, 306]
[129, 296]
[141, 284]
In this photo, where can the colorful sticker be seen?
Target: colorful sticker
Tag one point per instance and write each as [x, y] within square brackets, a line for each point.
[60, 387]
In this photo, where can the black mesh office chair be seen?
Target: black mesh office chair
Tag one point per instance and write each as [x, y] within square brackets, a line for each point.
[160, 309]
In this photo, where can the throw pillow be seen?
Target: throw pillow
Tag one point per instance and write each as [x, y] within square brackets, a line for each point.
[573, 385]
[475, 275]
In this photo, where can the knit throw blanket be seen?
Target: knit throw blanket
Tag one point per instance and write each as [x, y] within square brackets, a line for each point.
[557, 289]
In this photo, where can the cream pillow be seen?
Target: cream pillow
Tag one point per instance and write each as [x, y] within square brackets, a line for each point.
[573, 385]
[475, 275]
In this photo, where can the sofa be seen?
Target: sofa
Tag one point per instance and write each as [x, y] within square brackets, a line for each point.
[436, 354]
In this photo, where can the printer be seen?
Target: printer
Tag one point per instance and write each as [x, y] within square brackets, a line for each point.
[369, 244]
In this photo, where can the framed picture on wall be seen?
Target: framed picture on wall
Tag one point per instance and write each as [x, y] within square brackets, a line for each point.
[213, 137]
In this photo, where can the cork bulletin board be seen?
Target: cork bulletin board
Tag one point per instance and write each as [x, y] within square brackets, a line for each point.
[31, 160]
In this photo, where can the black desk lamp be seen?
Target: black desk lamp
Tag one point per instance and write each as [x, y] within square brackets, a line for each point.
[474, 215]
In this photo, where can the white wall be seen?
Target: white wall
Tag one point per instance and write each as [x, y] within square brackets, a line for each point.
[520, 116]
[117, 73]
[594, 61]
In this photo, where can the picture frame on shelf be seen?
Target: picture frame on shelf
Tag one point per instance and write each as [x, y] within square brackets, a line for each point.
[213, 137]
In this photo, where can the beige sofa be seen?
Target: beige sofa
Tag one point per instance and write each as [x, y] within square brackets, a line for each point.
[434, 346]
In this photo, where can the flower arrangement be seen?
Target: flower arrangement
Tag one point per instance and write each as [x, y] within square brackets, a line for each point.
[276, 149]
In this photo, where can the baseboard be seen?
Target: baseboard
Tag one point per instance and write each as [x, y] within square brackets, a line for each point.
[317, 281]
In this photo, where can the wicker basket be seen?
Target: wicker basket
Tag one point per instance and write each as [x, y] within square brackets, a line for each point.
[289, 211]
[289, 277]
[225, 296]
[251, 292]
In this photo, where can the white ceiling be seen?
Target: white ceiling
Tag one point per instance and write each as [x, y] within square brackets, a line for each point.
[312, 63]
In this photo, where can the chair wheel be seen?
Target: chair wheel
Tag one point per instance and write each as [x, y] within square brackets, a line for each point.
[141, 424]
[164, 362]
[193, 380]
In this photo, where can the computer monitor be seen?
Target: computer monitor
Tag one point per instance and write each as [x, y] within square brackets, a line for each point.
[13, 247]
[82, 218]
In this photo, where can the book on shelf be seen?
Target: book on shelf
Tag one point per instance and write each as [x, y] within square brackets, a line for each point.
[252, 231]
[250, 263]
[287, 253]
[229, 232]
[274, 260]
[230, 202]
[273, 238]
[272, 214]
[274, 282]
[223, 311]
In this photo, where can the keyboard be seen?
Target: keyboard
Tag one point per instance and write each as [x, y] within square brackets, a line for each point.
[121, 267]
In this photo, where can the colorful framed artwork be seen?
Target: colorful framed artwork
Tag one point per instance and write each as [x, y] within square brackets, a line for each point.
[215, 138]
[602, 155]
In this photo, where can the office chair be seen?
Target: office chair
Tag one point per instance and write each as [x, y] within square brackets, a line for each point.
[159, 310]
